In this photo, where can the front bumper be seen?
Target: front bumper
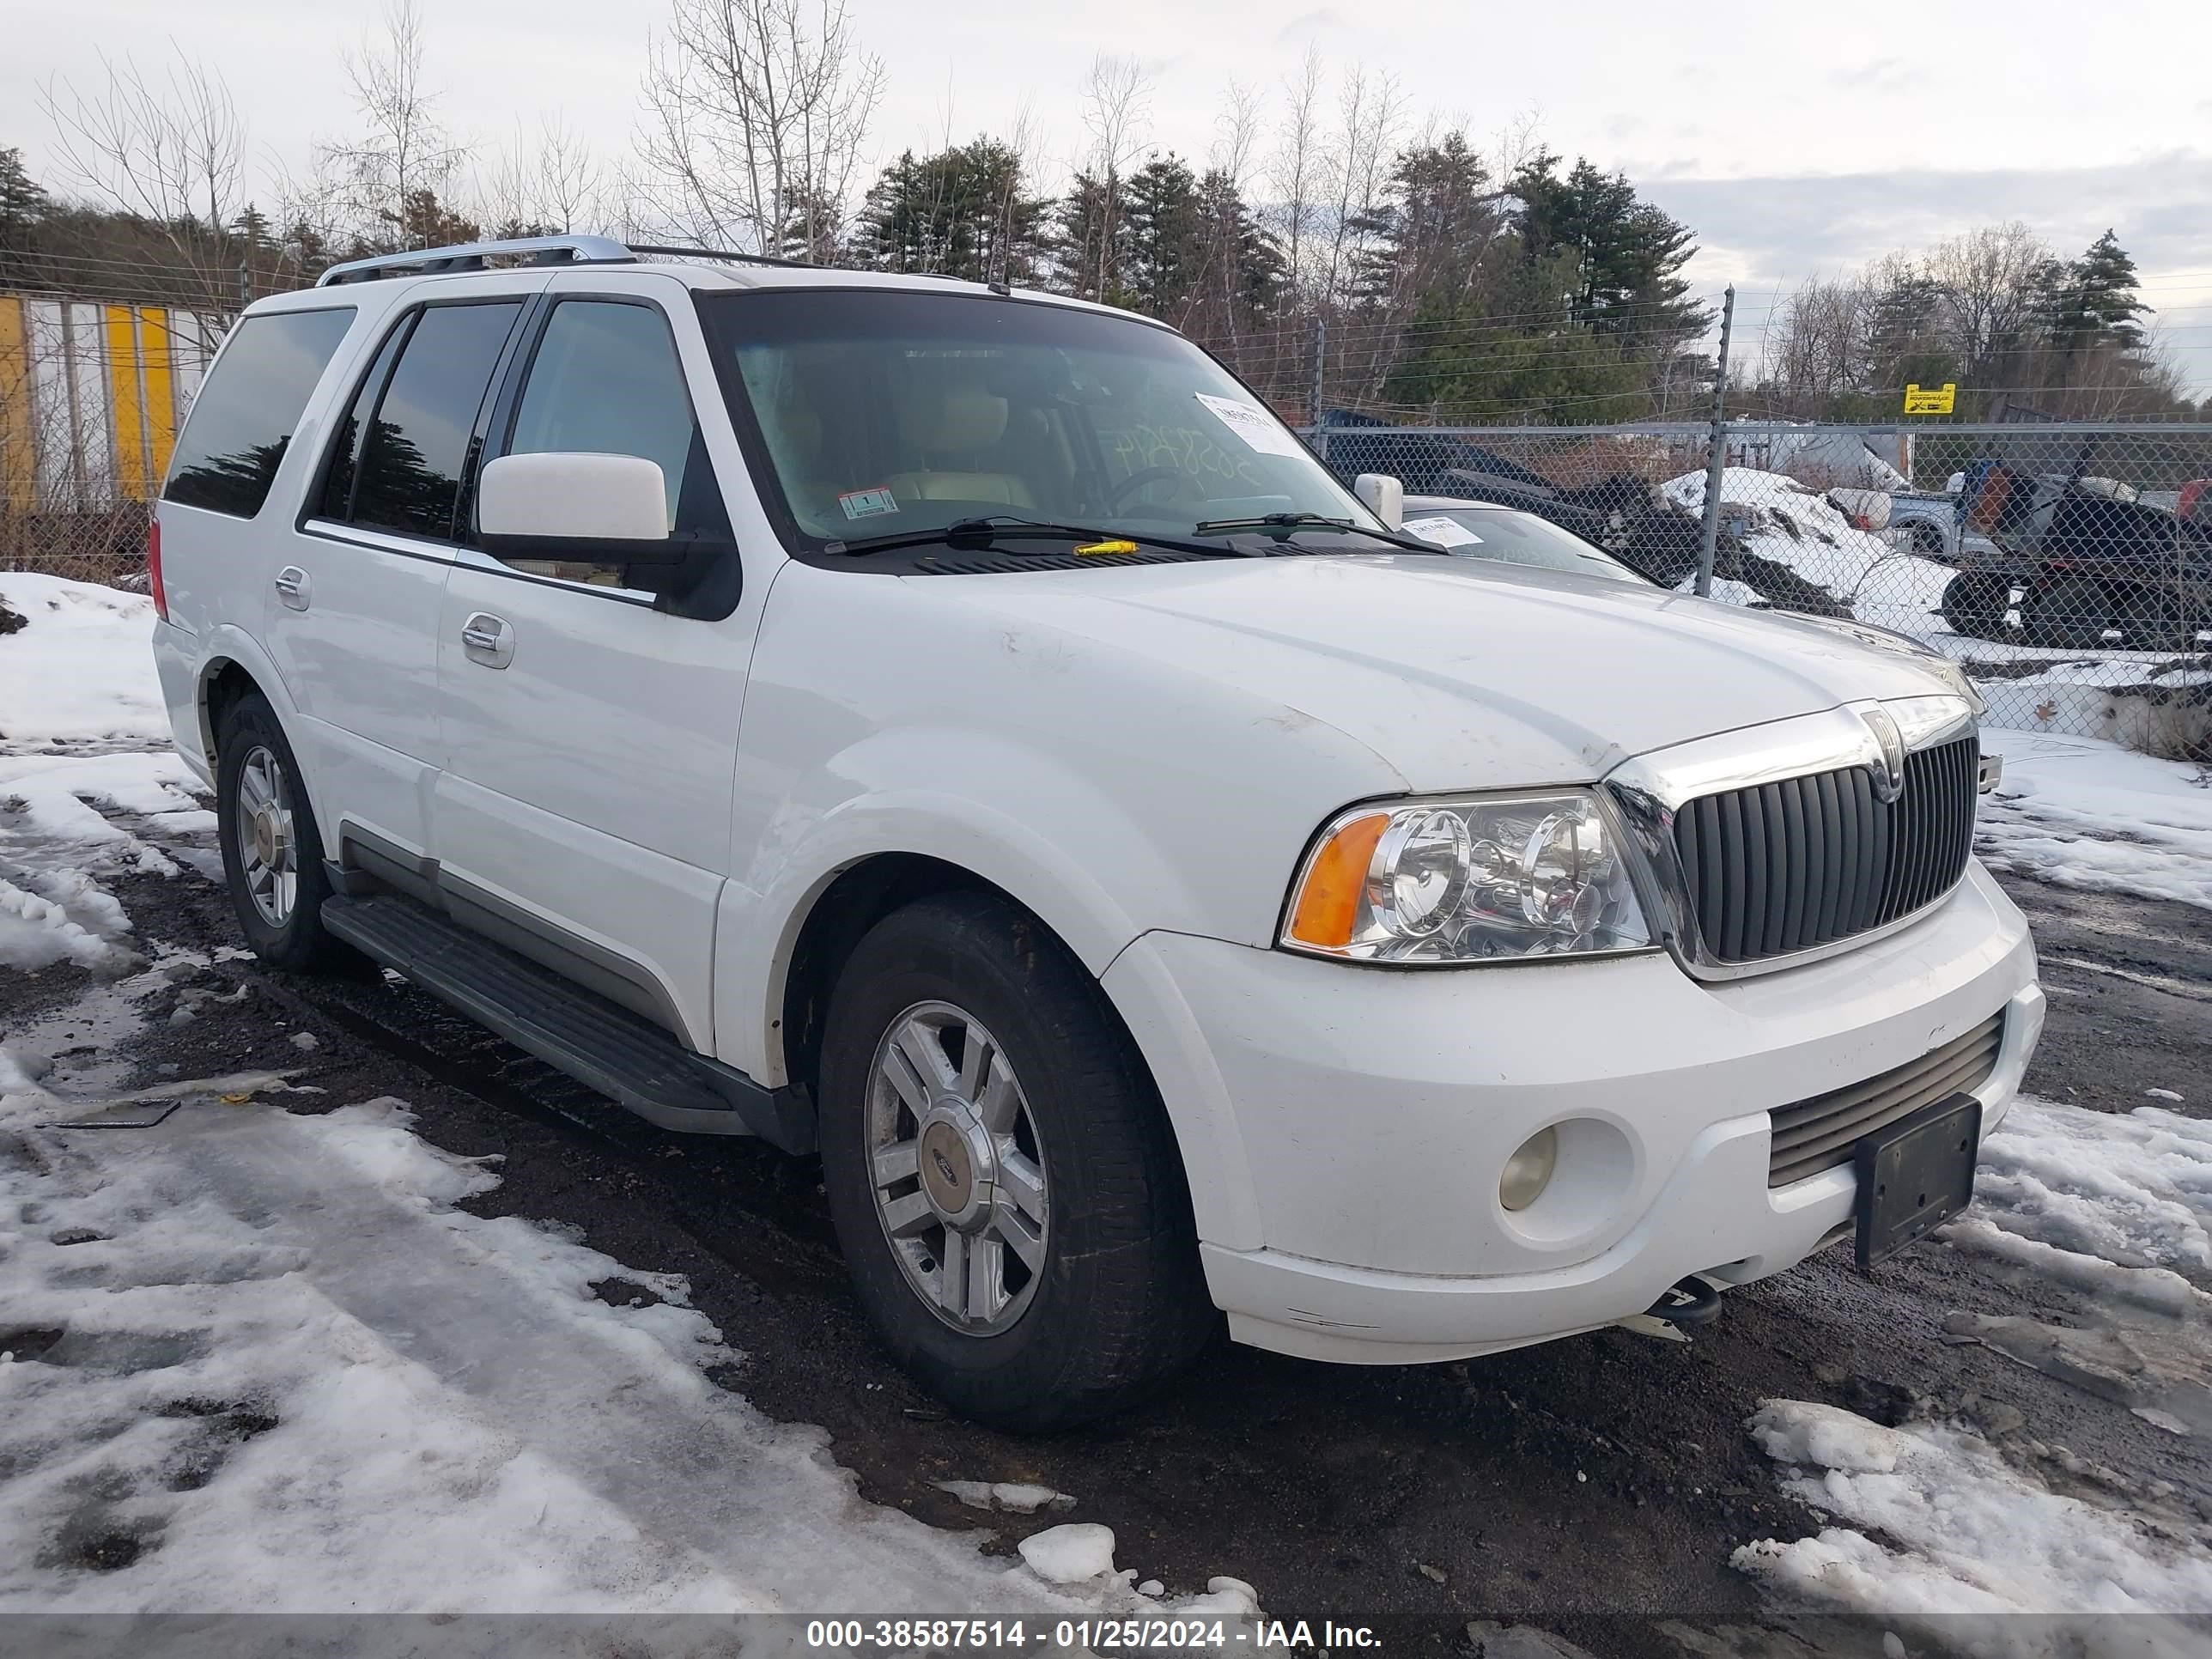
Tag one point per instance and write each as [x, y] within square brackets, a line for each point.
[1372, 1112]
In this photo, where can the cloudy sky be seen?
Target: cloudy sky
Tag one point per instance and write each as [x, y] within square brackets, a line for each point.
[1796, 140]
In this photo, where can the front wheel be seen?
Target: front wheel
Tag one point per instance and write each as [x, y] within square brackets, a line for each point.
[1974, 603]
[1000, 1172]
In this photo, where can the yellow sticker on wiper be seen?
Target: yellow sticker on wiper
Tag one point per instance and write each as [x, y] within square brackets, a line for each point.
[1086, 549]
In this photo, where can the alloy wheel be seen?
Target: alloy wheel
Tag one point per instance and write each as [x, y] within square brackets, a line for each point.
[957, 1169]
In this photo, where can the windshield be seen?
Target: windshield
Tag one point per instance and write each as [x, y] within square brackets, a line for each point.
[887, 412]
[1512, 537]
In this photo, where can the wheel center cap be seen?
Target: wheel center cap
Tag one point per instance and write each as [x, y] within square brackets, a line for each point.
[958, 1165]
[268, 840]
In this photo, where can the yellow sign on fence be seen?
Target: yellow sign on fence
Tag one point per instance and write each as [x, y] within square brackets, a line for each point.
[1931, 400]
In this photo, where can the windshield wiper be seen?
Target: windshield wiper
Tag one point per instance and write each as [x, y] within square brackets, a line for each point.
[1282, 525]
[988, 532]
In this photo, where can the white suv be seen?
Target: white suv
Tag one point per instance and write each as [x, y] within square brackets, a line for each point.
[963, 732]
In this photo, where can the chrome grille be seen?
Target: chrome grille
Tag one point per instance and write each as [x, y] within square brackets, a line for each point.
[1777, 868]
[1818, 1133]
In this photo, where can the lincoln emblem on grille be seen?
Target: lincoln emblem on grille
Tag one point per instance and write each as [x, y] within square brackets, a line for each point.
[1889, 771]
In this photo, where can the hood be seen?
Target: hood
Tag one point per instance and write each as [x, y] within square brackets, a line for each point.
[1459, 674]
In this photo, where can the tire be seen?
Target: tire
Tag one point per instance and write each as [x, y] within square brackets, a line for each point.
[261, 809]
[1117, 1302]
[1974, 603]
[2150, 620]
[2071, 613]
[1928, 539]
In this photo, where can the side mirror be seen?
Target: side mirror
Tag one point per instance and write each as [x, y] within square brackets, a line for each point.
[607, 510]
[1382, 496]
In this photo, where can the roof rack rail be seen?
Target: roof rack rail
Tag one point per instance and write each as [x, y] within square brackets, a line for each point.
[471, 255]
[728, 254]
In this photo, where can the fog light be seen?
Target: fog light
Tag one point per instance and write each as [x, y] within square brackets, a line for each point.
[1529, 1171]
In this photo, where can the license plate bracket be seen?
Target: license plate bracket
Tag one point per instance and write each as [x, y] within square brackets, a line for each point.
[1915, 1174]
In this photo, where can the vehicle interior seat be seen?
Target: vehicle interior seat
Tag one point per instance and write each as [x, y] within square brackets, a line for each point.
[953, 423]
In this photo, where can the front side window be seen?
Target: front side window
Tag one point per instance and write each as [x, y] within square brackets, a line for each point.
[417, 447]
[242, 421]
[881, 411]
[605, 379]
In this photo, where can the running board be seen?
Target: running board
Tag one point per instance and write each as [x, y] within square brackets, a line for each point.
[600, 1044]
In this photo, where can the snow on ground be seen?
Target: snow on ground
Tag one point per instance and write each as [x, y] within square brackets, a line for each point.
[2117, 1205]
[1937, 1530]
[1968, 1543]
[1790, 524]
[82, 794]
[81, 665]
[2082, 813]
[251, 1360]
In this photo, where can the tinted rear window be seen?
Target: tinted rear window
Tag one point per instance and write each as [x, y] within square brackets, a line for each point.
[418, 446]
[243, 418]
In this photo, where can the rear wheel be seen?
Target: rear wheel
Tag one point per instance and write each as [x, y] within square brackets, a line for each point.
[272, 853]
[2072, 612]
[2152, 621]
[1000, 1171]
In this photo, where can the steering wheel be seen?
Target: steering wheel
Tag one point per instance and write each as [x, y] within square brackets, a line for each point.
[1137, 480]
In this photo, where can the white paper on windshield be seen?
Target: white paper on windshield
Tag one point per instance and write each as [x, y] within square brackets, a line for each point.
[1260, 430]
[1444, 532]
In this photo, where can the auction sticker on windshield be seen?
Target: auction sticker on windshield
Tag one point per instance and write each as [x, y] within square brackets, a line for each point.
[1254, 426]
[867, 503]
[1444, 532]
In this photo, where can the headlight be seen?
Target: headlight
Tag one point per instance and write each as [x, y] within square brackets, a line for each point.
[1489, 878]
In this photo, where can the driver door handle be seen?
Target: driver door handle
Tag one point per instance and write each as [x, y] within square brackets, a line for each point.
[293, 587]
[488, 640]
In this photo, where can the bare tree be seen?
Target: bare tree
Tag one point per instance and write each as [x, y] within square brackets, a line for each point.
[552, 183]
[1116, 110]
[1236, 132]
[1818, 348]
[1236, 137]
[400, 169]
[1297, 167]
[756, 113]
[1368, 111]
[168, 149]
[1991, 287]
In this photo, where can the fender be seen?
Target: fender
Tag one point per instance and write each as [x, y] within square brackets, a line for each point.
[1070, 859]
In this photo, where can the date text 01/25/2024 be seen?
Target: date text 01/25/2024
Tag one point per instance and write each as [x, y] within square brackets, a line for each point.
[1093, 1635]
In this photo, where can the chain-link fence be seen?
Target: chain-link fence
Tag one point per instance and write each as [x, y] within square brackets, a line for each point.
[2067, 568]
[92, 394]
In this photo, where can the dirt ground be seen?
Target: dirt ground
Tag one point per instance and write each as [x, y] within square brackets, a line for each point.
[1593, 1486]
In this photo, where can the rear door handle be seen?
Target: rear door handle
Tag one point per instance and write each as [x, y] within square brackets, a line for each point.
[488, 640]
[293, 587]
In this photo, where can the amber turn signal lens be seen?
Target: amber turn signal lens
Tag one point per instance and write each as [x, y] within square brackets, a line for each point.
[1329, 901]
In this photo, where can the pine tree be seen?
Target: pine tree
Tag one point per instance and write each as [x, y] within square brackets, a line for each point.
[1905, 343]
[1426, 245]
[1628, 254]
[1091, 236]
[965, 212]
[1165, 257]
[251, 227]
[2097, 300]
[1245, 270]
[22, 204]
